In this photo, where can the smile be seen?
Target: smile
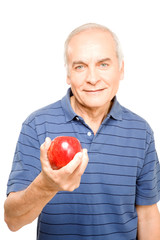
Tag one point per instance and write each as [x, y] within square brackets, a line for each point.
[94, 90]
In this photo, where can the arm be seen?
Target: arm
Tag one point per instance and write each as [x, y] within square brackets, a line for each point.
[24, 206]
[148, 222]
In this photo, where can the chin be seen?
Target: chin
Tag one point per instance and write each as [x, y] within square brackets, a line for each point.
[97, 101]
[93, 104]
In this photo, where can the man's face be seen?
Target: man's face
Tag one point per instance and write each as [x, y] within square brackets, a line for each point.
[93, 69]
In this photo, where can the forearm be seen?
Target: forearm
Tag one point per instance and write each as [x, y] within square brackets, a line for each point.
[149, 226]
[23, 207]
[149, 231]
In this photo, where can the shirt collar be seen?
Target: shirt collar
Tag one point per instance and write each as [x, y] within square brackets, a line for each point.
[115, 112]
[66, 105]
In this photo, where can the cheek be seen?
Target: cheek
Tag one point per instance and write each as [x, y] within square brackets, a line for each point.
[115, 87]
[77, 79]
[111, 77]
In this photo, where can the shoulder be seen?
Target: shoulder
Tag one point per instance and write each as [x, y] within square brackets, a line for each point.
[133, 119]
[44, 112]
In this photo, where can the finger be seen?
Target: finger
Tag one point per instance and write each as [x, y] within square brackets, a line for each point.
[73, 164]
[44, 148]
[84, 162]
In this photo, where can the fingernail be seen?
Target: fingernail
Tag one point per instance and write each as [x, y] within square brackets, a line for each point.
[80, 154]
[47, 140]
[85, 150]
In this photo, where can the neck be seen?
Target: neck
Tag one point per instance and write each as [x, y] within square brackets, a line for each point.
[93, 117]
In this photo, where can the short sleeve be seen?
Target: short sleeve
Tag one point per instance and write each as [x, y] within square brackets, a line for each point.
[148, 182]
[26, 163]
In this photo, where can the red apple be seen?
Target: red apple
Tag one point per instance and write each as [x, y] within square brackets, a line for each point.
[62, 150]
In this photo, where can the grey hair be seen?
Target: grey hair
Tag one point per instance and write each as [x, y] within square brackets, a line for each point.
[90, 26]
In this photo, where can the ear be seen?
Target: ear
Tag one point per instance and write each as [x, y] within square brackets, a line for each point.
[122, 71]
[68, 80]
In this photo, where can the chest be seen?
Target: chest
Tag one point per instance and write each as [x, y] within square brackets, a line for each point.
[116, 156]
[116, 151]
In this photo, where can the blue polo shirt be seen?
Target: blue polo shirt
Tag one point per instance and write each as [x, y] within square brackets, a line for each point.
[123, 171]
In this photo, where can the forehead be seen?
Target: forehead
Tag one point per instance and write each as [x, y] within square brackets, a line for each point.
[91, 44]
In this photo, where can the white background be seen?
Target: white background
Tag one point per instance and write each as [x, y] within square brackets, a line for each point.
[32, 72]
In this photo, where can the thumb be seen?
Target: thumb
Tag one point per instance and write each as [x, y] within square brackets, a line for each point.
[44, 147]
[47, 143]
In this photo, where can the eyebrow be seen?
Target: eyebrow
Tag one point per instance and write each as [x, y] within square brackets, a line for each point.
[99, 61]
[77, 62]
[104, 60]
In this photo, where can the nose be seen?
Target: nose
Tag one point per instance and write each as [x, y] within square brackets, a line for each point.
[92, 76]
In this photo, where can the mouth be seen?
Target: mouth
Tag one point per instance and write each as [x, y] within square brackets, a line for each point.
[93, 90]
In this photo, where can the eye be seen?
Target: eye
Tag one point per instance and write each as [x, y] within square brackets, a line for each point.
[79, 67]
[104, 65]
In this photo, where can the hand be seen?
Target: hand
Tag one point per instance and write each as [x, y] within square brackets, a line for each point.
[68, 177]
